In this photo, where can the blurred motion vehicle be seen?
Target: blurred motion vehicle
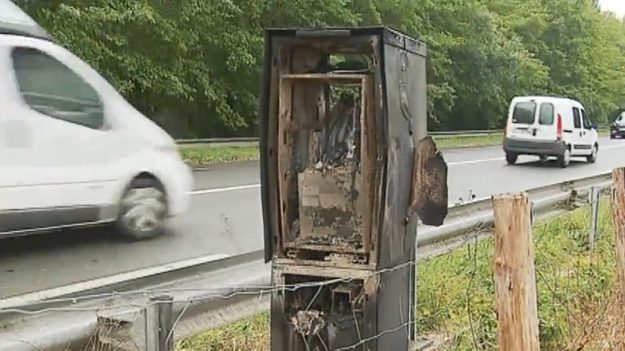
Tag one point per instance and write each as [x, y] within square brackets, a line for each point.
[73, 151]
[547, 126]
[617, 129]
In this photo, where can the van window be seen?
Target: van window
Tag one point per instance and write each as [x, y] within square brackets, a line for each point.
[51, 88]
[585, 120]
[524, 112]
[577, 120]
[546, 115]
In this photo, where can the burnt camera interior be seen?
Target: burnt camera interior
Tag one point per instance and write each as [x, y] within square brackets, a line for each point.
[326, 161]
[322, 310]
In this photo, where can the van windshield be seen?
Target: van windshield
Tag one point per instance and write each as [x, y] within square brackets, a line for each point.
[524, 112]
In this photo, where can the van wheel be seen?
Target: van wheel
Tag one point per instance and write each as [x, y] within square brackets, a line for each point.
[143, 210]
[592, 158]
[511, 158]
[565, 158]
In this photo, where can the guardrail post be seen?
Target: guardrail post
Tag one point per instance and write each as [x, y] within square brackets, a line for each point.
[159, 329]
[514, 274]
[595, 193]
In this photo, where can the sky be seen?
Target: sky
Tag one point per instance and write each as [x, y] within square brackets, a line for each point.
[617, 6]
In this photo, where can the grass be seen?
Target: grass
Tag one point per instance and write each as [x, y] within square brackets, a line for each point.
[251, 334]
[575, 289]
[204, 155]
[576, 293]
[199, 156]
[461, 141]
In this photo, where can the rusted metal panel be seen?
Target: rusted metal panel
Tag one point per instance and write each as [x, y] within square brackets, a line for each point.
[267, 148]
[429, 194]
[397, 236]
[284, 170]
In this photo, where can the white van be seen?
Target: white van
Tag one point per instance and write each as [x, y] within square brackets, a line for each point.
[73, 152]
[549, 126]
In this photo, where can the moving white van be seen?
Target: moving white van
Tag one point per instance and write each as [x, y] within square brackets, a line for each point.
[549, 127]
[73, 152]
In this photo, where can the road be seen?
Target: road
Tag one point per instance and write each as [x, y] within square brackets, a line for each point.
[226, 219]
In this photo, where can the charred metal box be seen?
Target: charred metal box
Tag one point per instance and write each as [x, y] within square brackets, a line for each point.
[341, 113]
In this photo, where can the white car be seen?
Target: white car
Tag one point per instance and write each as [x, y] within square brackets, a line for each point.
[617, 129]
[73, 151]
[549, 126]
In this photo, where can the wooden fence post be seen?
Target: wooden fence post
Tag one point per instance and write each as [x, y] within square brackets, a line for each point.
[514, 274]
[618, 217]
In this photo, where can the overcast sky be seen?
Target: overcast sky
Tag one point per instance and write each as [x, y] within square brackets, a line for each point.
[617, 6]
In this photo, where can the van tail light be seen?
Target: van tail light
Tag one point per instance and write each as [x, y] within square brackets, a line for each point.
[559, 128]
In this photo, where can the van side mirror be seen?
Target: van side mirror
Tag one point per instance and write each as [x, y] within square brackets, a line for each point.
[594, 126]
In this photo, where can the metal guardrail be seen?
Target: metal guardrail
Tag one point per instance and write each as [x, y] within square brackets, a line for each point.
[217, 140]
[237, 287]
[253, 140]
[466, 132]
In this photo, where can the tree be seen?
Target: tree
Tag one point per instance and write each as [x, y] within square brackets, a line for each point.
[194, 65]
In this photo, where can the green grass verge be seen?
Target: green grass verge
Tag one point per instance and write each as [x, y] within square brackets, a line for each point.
[460, 141]
[199, 156]
[251, 334]
[456, 291]
[456, 294]
[203, 155]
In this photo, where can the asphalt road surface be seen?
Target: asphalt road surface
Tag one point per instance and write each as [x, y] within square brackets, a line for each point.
[226, 219]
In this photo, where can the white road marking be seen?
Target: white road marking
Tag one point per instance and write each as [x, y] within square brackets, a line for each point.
[459, 163]
[221, 190]
[41, 296]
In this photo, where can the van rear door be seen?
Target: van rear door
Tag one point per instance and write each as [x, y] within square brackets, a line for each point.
[546, 129]
[533, 120]
[522, 117]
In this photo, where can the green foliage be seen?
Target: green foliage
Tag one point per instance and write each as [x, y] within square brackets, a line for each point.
[194, 65]
[250, 334]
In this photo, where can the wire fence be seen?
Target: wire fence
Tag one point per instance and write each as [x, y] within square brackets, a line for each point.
[155, 299]
[577, 292]
[455, 298]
